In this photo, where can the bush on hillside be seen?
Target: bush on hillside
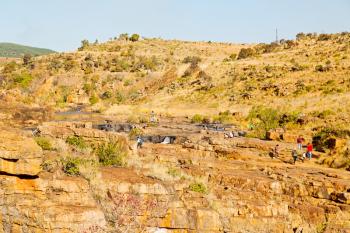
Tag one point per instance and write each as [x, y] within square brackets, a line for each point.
[76, 141]
[134, 37]
[266, 48]
[223, 118]
[10, 67]
[123, 36]
[111, 153]
[233, 56]
[69, 64]
[322, 68]
[93, 99]
[245, 53]
[27, 59]
[84, 45]
[300, 36]
[70, 166]
[265, 119]
[324, 37]
[146, 63]
[198, 187]
[24, 79]
[44, 143]
[106, 95]
[194, 60]
[197, 118]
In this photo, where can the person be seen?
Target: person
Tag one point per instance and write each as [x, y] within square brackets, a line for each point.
[300, 141]
[139, 142]
[309, 149]
[276, 151]
[294, 155]
[153, 117]
[303, 156]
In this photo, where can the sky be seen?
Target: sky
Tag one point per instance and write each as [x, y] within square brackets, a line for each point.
[61, 25]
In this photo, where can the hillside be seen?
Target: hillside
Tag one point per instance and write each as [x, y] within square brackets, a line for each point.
[174, 136]
[16, 50]
[301, 85]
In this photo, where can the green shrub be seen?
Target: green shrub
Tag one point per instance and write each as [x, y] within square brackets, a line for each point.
[197, 118]
[44, 143]
[70, 166]
[77, 141]
[93, 99]
[265, 118]
[146, 63]
[24, 79]
[111, 154]
[134, 37]
[245, 53]
[174, 172]
[198, 187]
[223, 118]
[127, 82]
[87, 88]
[119, 98]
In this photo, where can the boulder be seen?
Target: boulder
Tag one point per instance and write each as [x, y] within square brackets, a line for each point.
[275, 134]
[19, 155]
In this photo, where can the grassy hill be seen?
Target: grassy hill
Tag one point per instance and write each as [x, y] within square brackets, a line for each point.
[16, 50]
[308, 77]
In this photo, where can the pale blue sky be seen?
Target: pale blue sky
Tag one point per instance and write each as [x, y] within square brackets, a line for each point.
[62, 24]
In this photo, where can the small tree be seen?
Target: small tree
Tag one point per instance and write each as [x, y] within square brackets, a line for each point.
[84, 45]
[265, 119]
[27, 58]
[134, 37]
[245, 53]
[123, 36]
[300, 36]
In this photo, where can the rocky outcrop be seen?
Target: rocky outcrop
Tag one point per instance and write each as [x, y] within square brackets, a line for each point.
[46, 204]
[19, 155]
[207, 184]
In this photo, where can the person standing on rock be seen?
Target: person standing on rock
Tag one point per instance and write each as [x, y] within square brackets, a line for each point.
[153, 117]
[294, 155]
[276, 151]
[300, 141]
[309, 149]
[139, 142]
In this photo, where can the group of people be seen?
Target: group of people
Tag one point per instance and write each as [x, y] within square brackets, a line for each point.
[295, 152]
[306, 154]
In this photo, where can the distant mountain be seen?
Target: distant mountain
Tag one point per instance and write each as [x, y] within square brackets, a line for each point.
[16, 50]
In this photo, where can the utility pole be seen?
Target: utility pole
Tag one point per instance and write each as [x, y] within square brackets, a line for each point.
[277, 36]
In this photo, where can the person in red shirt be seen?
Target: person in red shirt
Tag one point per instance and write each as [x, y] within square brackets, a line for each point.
[309, 149]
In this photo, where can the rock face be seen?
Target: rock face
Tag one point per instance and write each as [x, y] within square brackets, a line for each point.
[19, 155]
[45, 204]
[207, 184]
